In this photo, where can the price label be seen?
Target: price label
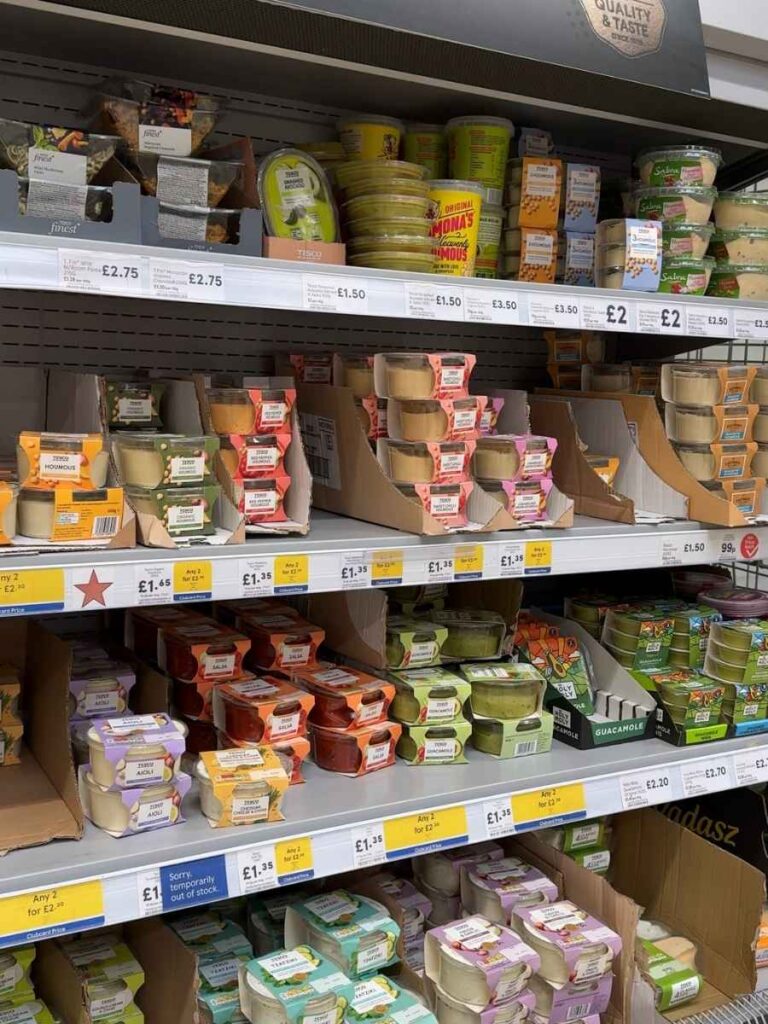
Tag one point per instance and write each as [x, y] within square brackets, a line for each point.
[368, 846]
[751, 767]
[437, 830]
[102, 272]
[491, 306]
[607, 315]
[546, 806]
[440, 570]
[434, 302]
[750, 323]
[291, 574]
[332, 295]
[49, 912]
[294, 860]
[187, 281]
[538, 557]
[511, 559]
[355, 570]
[23, 591]
[257, 870]
[643, 789]
[149, 890]
[468, 562]
[707, 777]
[386, 568]
[660, 318]
[257, 576]
[726, 546]
[498, 818]
[192, 581]
[154, 583]
[710, 321]
[551, 311]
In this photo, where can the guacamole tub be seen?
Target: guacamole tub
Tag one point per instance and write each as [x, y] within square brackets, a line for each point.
[370, 137]
[477, 151]
[471, 634]
[425, 144]
[434, 744]
[505, 691]
[454, 210]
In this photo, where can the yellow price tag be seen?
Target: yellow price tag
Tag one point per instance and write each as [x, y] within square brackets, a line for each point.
[386, 568]
[56, 911]
[541, 805]
[31, 590]
[294, 859]
[446, 827]
[538, 557]
[291, 574]
[468, 562]
[192, 581]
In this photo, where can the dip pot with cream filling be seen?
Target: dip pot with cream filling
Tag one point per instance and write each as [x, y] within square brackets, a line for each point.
[260, 1005]
[759, 389]
[157, 460]
[691, 204]
[250, 797]
[607, 377]
[741, 210]
[357, 371]
[678, 165]
[739, 281]
[109, 812]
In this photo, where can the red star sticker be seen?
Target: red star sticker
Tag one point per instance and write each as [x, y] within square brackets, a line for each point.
[93, 590]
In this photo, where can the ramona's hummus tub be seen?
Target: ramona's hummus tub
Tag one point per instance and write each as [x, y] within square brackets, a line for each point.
[477, 151]
[455, 216]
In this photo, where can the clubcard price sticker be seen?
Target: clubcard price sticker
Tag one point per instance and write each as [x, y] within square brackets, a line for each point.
[643, 789]
[498, 818]
[294, 860]
[368, 845]
[429, 831]
[538, 557]
[291, 574]
[546, 807]
[192, 581]
[50, 912]
[23, 591]
[468, 562]
[386, 568]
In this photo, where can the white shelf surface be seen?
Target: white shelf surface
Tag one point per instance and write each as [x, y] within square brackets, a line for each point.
[342, 554]
[73, 265]
[334, 824]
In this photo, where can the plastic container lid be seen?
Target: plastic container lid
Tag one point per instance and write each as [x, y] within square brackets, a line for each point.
[702, 192]
[371, 119]
[456, 185]
[680, 153]
[499, 122]
[748, 198]
[736, 602]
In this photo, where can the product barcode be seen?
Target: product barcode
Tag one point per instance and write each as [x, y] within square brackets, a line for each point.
[319, 467]
[527, 747]
[574, 1012]
[104, 526]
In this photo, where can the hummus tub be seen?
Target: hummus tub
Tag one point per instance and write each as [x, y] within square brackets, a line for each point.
[444, 419]
[371, 208]
[407, 376]
[739, 281]
[413, 226]
[680, 239]
[510, 456]
[183, 511]
[684, 275]
[678, 165]
[386, 187]
[137, 750]
[690, 204]
[46, 460]
[159, 460]
[741, 209]
[426, 461]
[607, 377]
[477, 151]
[489, 241]
[254, 456]
[740, 245]
[493, 889]
[132, 404]
[425, 144]
[572, 945]
[370, 137]
[383, 244]
[478, 962]
[441, 872]
[454, 210]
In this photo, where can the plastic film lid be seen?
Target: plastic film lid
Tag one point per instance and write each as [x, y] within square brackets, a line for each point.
[679, 153]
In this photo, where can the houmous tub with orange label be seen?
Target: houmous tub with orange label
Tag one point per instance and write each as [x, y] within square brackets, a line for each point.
[61, 460]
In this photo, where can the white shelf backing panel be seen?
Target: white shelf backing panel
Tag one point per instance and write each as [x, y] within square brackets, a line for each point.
[74, 265]
[347, 554]
[329, 829]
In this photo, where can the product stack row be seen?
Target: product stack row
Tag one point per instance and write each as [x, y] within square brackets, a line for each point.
[255, 429]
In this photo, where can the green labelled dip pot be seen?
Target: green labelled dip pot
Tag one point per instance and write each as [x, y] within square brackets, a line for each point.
[425, 144]
[478, 148]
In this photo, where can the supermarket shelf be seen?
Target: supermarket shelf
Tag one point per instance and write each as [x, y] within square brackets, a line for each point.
[334, 828]
[74, 265]
[347, 554]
